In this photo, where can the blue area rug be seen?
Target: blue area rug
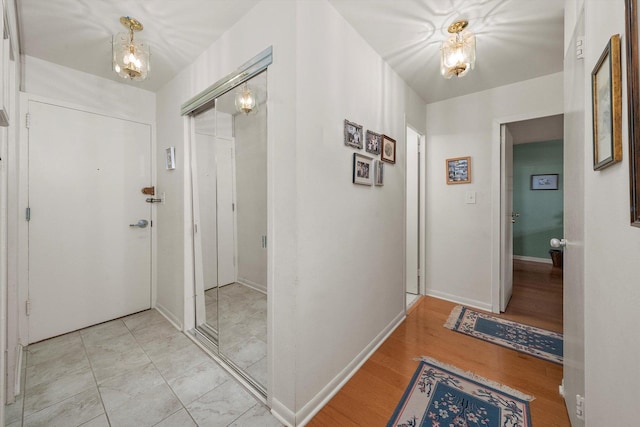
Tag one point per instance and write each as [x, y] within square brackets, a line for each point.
[442, 396]
[537, 342]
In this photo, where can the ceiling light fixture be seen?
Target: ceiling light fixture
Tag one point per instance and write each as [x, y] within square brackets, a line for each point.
[245, 100]
[458, 51]
[130, 58]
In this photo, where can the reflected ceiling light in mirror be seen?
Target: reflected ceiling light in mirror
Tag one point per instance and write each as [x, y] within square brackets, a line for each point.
[458, 51]
[130, 57]
[245, 100]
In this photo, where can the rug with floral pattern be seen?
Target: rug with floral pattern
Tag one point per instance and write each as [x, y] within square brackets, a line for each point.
[440, 395]
[523, 338]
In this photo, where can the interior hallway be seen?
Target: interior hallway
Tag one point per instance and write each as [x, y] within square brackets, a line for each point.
[372, 394]
[135, 371]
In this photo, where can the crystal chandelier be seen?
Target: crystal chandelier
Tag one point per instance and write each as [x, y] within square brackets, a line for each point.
[245, 100]
[458, 51]
[130, 57]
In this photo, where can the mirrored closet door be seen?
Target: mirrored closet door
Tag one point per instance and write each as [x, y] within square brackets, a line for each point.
[229, 174]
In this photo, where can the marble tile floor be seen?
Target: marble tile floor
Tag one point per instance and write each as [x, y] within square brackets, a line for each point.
[134, 371]
[242, 320]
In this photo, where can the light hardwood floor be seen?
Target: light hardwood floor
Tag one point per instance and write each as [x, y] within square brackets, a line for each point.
[370, 397]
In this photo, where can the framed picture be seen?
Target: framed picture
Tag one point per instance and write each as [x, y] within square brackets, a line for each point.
[607, 107]
[362, 169]
[352, 134]
[378, 176]
[170, 158]
[388, 153]
[633, 100]
[544, 182]
[459, 170]
[373, 142]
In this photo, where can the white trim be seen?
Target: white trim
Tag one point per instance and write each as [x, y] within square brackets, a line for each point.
[253, 285]
[533, 259]
[169, 316]
[496, 197]
[464, 301]
[282, 413]
[309, 410]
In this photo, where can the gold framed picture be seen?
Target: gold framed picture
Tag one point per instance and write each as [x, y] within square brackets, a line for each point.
[607, 107]
[458, 170]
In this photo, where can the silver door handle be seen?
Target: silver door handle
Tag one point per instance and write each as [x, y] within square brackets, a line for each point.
[558, 243]
[142, 224]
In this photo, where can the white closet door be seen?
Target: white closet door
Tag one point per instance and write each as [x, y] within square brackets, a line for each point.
[225, 165]
[86, 263]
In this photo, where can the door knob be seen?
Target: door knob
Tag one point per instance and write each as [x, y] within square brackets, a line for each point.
[514, 215]
[142, 224]
[558, 243]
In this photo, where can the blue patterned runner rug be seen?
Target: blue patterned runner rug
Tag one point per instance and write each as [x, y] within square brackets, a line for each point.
[440, 395]
[537, 342]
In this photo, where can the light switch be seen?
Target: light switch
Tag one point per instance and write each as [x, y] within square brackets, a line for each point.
[470, 198]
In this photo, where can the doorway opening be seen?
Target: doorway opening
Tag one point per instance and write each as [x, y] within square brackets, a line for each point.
[414, 216]
[532, 207]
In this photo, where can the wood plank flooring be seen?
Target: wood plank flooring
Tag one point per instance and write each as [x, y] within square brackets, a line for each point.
[370, 397]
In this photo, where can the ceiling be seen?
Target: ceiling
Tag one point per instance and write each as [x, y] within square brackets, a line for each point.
[516, 39]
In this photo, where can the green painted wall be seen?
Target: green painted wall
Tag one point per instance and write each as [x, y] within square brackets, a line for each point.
[540, 211]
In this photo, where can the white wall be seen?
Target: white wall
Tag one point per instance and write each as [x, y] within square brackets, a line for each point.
[269, 23]
[119, 99]
[612, 295]
[351, 237]
[458, 234]
[336, 275]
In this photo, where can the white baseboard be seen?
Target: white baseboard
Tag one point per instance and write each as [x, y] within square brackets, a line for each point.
[533, 259]
[282, 413]
[460, 300]
[169, 316]
[312, 407]
[253, 285]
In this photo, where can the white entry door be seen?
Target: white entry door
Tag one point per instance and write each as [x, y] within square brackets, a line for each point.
[87, 263]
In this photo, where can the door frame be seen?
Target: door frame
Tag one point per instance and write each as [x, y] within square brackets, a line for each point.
[422, 223]
[23, 202]
[498, 221]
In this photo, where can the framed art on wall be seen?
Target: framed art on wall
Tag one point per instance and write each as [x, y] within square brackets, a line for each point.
[544, 182]
[373, 142]
[379, 172]
[633, 100]
[362, 169]
[352, 134]
[388, 149]
[607, 107]
[458, 170]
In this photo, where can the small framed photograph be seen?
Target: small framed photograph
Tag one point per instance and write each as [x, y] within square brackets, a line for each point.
[459, 170]
[170, 158]
[362, 169]
[373, 142]
[378, 175]
[388, 149]
[607, 107]
[352, 134]
[544, 182]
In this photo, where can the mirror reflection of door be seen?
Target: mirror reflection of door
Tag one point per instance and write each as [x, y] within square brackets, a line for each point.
[230, 211]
